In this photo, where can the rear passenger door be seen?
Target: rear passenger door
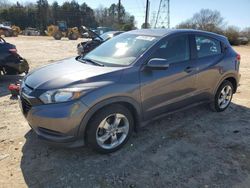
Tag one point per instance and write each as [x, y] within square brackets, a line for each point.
[208, 56]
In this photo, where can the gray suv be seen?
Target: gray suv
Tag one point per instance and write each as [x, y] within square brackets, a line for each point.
[99, 99]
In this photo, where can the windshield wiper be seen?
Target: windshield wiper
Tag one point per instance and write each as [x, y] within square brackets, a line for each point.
[93, 62]
[78, 58]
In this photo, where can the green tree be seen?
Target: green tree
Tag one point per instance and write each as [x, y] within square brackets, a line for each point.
[143, 26]
[55, 10]
[42, 14]
[87, 16]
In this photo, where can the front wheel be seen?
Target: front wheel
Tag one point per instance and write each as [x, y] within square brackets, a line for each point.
[222, 97]
[58, 35]
[73, 36]
[7, 33]
[110, 128]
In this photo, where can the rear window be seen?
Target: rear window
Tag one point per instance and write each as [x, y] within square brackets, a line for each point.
[207, 46]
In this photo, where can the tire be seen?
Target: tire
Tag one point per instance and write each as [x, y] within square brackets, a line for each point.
[102, 118]
[218, 106]
[26, 67]
[57, 36]
[73, 36]
[7, 33]
[15, 34]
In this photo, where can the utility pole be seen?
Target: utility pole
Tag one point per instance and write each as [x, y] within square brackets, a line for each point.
[168, 15]
[119, 12]
[146, 15]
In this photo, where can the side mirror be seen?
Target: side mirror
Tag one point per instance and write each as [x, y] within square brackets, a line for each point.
[158, 64]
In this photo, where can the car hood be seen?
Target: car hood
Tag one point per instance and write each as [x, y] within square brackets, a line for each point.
[68, 73]
[91, 33]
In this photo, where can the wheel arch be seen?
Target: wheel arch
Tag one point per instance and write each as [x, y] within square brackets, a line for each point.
[234, 83]
[132, 105]
[230, 77]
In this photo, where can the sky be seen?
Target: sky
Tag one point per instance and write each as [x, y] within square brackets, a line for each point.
[235, 12]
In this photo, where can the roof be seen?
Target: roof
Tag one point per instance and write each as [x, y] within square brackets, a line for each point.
[164, 32]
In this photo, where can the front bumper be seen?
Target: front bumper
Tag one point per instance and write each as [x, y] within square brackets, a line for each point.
[55, 123]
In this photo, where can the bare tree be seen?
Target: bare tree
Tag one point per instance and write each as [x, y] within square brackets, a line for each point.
[4, 4]
[206, 19]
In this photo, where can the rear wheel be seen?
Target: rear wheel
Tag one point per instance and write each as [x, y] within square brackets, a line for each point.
[110, 128]
[223, 97]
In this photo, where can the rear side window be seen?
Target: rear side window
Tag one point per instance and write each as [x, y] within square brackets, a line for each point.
[174, 50]
[207, 46]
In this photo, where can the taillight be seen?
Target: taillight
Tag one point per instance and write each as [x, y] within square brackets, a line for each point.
[13, 50]
[238, 57]
[14, 87]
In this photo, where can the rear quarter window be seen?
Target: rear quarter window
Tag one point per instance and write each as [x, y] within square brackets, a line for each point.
[207, 46]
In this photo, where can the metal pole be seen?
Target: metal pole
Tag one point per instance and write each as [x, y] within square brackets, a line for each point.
[168, 15]
[146, 16]
[119, 12]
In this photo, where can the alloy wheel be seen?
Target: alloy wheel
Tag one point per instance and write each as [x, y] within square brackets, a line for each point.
[112, 131]
[225, 97]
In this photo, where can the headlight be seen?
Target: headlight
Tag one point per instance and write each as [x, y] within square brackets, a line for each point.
[62, 95]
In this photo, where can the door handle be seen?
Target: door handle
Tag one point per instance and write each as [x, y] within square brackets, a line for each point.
[189, 69]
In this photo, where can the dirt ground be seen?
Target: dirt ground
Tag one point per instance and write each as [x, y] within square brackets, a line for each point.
[193, 148]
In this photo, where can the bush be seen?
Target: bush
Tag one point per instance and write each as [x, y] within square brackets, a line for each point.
[233, 34]
[246, 33]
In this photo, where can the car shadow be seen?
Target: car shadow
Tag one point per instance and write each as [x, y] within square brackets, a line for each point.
[5, 80]
[186, 149]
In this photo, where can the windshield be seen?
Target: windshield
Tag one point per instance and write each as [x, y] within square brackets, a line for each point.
[121, 50]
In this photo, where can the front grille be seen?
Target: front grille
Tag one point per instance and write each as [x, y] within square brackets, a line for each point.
[25, 105]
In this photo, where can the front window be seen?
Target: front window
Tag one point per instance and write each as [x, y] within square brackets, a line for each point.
[174, 50]
[122, 50]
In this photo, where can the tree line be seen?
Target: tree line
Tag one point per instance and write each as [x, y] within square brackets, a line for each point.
[211, 20]
[41, 14]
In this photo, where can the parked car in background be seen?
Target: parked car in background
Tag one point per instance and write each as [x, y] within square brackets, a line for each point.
[243, 40]
[11, 63]
[102, 30]
[85, 47]
[99, 99]
[29, 31]
[9, 30]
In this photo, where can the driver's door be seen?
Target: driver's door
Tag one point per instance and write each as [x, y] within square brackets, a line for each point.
[172, 88]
